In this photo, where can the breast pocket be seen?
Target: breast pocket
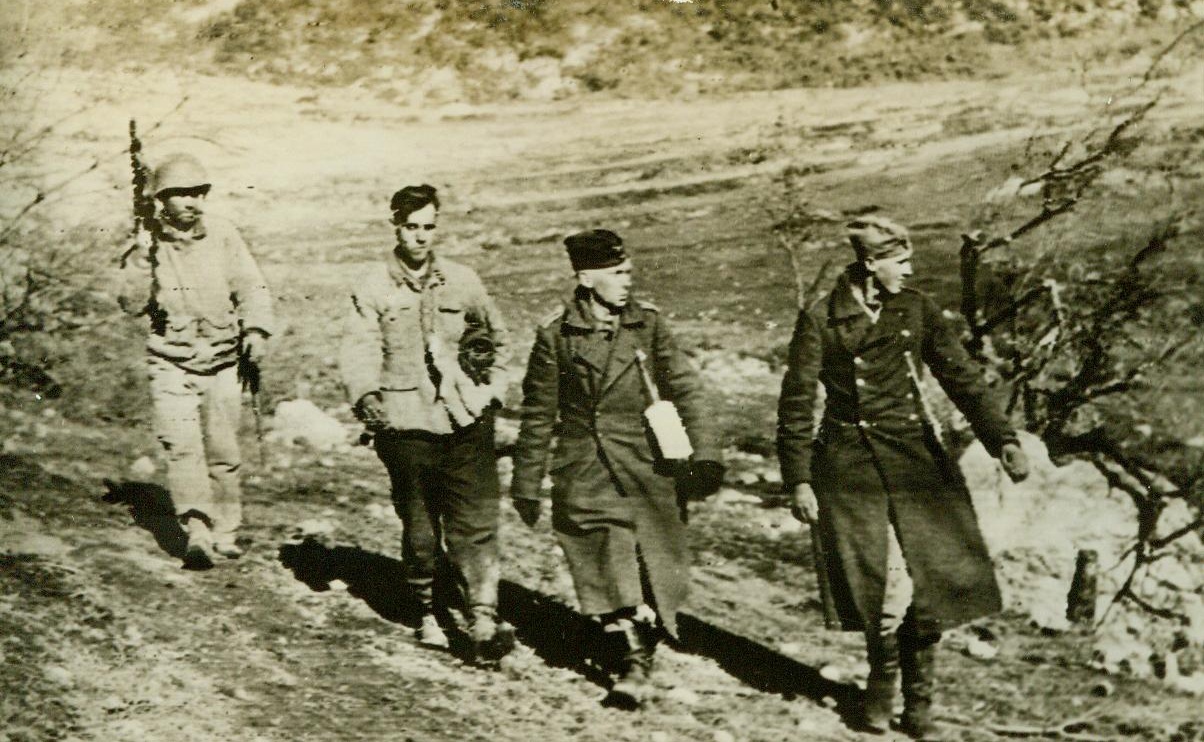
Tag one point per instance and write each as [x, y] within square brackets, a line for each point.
[451, 320]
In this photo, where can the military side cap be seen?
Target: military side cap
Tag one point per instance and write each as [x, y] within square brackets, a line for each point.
[877, 237]
[180, 172]
[595, 248]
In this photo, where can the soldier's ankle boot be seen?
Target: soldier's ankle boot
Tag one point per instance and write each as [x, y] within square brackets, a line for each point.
[430, 633]
[882, 651]
[490, 640]
[917, 660]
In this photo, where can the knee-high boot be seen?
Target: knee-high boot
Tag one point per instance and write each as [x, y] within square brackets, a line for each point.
[917, 661]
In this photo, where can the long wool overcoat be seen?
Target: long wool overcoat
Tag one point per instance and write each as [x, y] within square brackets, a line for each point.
[872, 461]
[611, 507]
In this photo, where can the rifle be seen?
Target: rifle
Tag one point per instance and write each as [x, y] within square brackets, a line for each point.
[144, 203]
[248, 374]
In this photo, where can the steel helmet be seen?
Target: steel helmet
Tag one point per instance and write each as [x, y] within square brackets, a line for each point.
[180, 172]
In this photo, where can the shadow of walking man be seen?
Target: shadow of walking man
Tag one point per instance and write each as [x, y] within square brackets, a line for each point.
[561, 637]
[376, 579]
[557, 634]
[152, 510]
[760, 667]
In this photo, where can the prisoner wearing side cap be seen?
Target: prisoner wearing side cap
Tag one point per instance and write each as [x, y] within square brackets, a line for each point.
[905, 556]
[615, 507]
[207, 303]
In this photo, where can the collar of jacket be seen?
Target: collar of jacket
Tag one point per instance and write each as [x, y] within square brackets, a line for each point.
[435, 276]
[169, 233]
[843, 305]
[580, 318]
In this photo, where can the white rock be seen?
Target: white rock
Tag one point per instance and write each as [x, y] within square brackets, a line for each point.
[748, 478]
[722, 735]
[729, 496]
[316, 527]
[1192, 684]
[143, 466]
[684, 696]
[301, 421]
[981, 650]
[58, 674]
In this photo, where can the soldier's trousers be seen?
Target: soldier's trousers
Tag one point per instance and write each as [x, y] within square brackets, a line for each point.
[446, 492]
[196, 421]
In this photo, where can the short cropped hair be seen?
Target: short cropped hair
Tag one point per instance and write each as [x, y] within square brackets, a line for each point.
[411, 199]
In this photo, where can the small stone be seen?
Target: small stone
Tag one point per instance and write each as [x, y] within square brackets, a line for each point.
[316, 527]
[981, 650]
[143, 466]
[1192, 684]
[684, 696]
[721, 735]
[728, 496]
[58, 674]
[1102, 689]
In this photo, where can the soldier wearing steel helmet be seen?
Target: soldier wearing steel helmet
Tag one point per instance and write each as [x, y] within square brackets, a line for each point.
[615, 506]
[903, 553]
[208, 303]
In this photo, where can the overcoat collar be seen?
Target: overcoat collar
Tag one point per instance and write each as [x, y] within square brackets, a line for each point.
[606, 358]
[850, 321]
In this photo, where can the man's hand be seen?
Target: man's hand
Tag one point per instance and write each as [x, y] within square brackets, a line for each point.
[370, 410]
[1015, 461]
[803, 504]
[254, 346]
[528, 510]
[702, 478]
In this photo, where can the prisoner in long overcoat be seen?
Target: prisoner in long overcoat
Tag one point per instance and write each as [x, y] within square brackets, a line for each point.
[871, 461]
[609, 505]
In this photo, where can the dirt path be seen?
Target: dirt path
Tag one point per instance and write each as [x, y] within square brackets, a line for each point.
[306, 638]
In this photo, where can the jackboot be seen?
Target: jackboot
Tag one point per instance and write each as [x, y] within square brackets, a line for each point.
[634, 664]
[917, 660]
[881, 687]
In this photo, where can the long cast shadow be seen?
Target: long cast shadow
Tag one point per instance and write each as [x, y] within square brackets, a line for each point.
[376, 579]
[152, 510]
[557, 634]
[564, 638]
[764, 669]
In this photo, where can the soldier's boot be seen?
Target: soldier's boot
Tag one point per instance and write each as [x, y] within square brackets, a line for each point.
[491, 640]
[881, 687]
[224, 545]
[429, 632]
[634, 667]
[198, 555]
[917, 660]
